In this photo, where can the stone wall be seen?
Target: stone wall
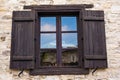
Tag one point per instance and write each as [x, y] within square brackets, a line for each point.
[112, 22]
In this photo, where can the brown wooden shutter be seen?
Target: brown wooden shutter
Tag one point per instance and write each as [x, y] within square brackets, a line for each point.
[22, 43]
[94, 39]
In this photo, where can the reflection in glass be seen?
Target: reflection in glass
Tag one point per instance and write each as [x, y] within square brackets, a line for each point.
[69, 40]
[69, 23]
[69, 58]
[48, 24]
[48, 40]
[48, 58]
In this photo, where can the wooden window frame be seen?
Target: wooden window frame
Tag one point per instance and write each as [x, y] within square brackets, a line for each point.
[59, 70]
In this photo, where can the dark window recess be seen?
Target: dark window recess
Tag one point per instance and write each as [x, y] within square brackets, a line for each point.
[48, 58]
[58, 39]
[70, 58]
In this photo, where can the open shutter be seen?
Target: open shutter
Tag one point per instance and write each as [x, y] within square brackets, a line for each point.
[22, 44]
[94, 39]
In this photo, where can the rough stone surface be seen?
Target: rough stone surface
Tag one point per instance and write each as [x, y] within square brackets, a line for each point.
[112, 23]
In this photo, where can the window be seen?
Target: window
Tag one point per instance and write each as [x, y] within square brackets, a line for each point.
[58, 36]
[58, 39]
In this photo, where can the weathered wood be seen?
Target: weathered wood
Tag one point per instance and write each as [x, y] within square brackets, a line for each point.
[95, 57]
[59, 48]
[80, 37]
[22, 19]
[59, 41]
[94, 40]
[24, 58]
[94, 18]
[59, 71]
[22, 45]
[59, 7]
[37, 41]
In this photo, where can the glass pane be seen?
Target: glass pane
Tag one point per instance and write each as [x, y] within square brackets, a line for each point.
[69, 58]
[69, 23]
[48, 58]
[48, 40]
[69, 40]
[48, 23]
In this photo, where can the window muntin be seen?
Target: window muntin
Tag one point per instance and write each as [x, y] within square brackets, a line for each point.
[68, 39]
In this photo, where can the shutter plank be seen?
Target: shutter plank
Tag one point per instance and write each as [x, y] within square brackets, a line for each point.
[96, 57]
[94, 18]
[20, 19]
[22, 44]
[24, 58]
[94, 40]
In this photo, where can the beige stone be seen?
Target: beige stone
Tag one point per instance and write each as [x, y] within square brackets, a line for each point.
[2, 9]
[67, 77]
[112, 23]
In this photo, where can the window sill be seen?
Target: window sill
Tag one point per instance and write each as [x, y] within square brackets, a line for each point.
[59, 71]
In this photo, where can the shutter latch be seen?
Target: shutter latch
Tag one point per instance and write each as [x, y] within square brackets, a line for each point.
[94, 70]
[20, 72]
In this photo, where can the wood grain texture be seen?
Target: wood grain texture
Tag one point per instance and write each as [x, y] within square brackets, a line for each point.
[95, 55]
[59, 71]
[22, 45]
[59, 7]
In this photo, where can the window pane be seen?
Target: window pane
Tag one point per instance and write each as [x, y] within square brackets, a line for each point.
[48, 40]
[48, 23]
[69, 23]
[69, 40]
[48, 58]
[69, 58]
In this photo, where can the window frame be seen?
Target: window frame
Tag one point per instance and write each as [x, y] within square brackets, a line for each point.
[59, 70]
